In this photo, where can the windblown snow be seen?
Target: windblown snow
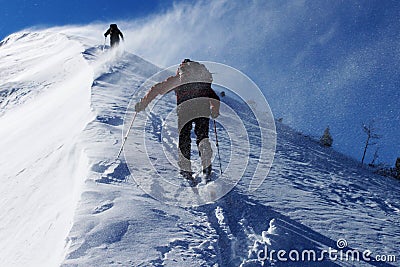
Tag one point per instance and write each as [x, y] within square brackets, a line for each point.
[45, 106]
[63, 99]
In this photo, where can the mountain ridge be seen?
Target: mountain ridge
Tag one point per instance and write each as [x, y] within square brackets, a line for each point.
[312, 196]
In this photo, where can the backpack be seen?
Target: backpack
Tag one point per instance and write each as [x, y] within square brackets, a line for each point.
[195, 81]
[114, 31]
[192, 71]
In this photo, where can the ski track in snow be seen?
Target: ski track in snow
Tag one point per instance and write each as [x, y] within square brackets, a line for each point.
[312, 197]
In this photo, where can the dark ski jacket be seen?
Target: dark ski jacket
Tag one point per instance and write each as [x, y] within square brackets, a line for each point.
[188, 86]
[114, 33]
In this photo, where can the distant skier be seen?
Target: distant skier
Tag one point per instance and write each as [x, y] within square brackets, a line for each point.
[196, 101]
[114, 33]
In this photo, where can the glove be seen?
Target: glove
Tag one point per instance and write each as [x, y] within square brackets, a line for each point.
[214, 113]
[140, 106]
[105, 35]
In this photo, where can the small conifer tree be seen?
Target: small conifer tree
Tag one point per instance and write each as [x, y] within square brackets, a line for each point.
[326, 138]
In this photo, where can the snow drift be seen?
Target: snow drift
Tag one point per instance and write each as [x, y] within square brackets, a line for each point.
[45, 105]
[62, 106]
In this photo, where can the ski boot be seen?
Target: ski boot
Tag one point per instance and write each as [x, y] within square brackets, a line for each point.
[188, 175]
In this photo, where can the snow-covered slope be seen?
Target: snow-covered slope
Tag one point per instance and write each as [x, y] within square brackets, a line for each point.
[45, 105]
[63, 103]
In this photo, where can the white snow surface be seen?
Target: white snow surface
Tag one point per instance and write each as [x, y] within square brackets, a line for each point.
[66, 201]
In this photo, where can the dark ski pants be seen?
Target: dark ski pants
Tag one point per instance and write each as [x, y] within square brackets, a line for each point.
[114, 42]
[201, 129]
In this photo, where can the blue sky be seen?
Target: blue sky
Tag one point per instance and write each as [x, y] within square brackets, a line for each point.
[319, 63]
[19, 14]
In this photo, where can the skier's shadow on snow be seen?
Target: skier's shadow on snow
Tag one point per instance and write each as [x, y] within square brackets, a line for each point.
[244, 219]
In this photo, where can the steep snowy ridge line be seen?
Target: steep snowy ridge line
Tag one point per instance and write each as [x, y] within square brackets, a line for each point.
[154, 233]
[276, 215]
[63, 101]
[43, 162]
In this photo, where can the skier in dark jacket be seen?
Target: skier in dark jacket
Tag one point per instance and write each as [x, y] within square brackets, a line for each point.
[196, 101]
[114, 33]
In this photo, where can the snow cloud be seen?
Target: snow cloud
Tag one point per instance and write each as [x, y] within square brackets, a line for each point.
[315, 62]
[208, 30]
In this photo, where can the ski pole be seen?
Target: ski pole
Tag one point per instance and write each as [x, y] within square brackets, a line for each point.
[105, 39]
[126, 135]
[216, 143]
